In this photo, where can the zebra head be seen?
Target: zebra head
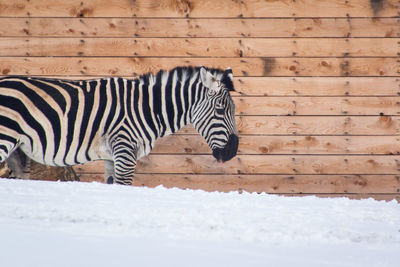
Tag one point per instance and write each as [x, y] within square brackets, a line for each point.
[214, 115]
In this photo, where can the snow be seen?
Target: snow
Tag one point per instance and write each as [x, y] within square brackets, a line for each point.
[92, 224]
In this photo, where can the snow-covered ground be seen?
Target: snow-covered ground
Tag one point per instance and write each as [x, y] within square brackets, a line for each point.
[91, 224]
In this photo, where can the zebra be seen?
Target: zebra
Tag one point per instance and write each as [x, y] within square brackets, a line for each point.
[60, 122]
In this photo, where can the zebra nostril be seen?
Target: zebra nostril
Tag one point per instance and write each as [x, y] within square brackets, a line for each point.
[233, 140]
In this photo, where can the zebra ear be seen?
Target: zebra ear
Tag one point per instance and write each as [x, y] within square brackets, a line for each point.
[228, 73]
[208, 79]
[227, 79]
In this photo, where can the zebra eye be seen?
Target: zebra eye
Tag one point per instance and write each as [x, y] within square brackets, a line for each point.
[220, 111]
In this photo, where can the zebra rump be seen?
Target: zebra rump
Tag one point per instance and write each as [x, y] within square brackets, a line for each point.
[67, 122]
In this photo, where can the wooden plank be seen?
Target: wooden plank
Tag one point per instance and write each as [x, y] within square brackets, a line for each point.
[317, 105]
[199, 8]
[314, 125]
[106, 66]
[320, 47]
[276, 183]
[289, 184]
[200, 47]
[379, 197]
[208, 27]
[324, 8]
[118, 8]
[262, 164]
[275, 145]
[317, 86]
[119, 47]
[306, 86]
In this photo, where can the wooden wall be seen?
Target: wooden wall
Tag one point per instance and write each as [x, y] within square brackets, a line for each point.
[318, 83]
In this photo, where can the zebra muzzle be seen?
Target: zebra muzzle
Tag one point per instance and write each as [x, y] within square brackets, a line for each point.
[229, 151]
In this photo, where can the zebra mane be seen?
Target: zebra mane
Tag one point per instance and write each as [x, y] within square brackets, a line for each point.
[190, 71]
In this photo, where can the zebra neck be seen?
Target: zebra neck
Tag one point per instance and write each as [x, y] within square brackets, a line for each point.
[177, 101]
[164, 102]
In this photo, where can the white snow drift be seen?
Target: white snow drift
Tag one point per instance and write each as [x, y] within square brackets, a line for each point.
[92, 224]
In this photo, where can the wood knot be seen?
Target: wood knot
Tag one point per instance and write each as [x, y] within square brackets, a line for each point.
[325, 64]
[310, 138]
[188, 150]
[6, 71]
[385, 121]
[361, 182]
[263, 149]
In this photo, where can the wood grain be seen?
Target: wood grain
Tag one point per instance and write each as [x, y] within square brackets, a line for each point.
[106, 66]
[317, 86]
[195, 28]
[317, 96]
[321, 106]
[263, 164]
[314, 125]
[199, 47]
[275, 145]
[277, 183]
[284, 184]
[198, 8]
[378, 197]
[305, 86]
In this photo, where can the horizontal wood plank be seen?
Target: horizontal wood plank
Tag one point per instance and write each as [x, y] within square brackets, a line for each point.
[105, 66]
[319, 47]
[199, 47]
[317, 105]
[283, 184]
[378, 197]
[276, 183]
[324, 8]
[199, 8]
[305, 86]
[314, 125]
[311, 145]
[317, 86]
[195, 28]
[262, 164]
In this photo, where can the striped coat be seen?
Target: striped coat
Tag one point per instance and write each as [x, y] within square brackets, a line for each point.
[64, 122]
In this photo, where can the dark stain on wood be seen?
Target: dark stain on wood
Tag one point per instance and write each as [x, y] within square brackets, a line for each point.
[376, 5]
[85, 12]
[269, 64]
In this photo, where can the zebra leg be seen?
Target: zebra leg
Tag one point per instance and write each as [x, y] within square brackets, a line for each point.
[109, 171]
[124, 154]
[19, 164]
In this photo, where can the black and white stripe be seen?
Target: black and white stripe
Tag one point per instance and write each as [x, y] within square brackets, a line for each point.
[64, 122]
